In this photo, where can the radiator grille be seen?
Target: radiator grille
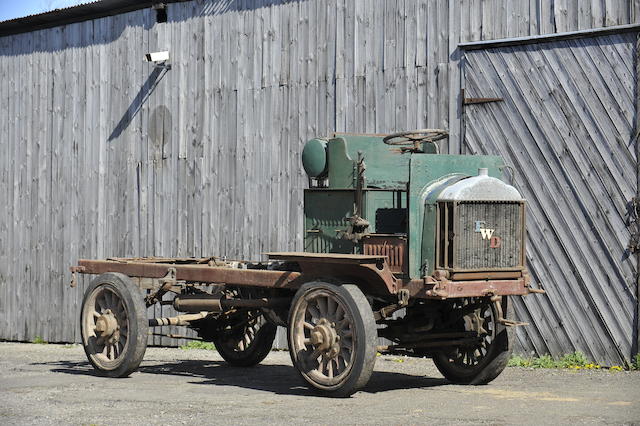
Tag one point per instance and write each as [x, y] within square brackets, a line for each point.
[489, 235]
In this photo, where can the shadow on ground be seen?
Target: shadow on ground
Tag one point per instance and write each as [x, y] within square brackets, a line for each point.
[279, 379]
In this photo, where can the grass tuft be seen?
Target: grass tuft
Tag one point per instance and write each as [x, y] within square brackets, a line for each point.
[39, 341]
[576, 360]
[199, 344]
[545, 361]
[519, 361]
[635, 362]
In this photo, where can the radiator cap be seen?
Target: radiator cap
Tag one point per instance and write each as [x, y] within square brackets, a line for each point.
[480, 188]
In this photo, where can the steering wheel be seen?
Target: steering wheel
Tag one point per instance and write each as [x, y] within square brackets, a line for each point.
[415, 137]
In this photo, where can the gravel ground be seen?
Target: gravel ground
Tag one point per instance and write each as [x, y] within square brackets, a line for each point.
[53, 384]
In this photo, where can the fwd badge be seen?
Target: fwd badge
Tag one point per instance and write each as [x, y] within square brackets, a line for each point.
[487, 234]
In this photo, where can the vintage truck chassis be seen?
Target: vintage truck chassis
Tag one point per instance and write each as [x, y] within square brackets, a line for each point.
[401, 243]
[438, 320]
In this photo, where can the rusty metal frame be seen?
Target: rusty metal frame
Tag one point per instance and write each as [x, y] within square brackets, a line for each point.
[487, 274]
[385, 244]
[370, 272]
[445, 289]
[201, 273]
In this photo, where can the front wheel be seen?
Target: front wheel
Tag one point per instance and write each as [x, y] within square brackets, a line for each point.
[481, 362]
[332, 337]
[114, 325]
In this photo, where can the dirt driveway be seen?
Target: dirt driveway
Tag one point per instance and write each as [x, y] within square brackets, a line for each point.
[53, 384]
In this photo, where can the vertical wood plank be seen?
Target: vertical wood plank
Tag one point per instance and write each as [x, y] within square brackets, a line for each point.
[454, 75]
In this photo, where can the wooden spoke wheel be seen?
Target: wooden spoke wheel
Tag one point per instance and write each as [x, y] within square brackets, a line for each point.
[114, 325]
[332, 337]
[245, 339]
[480, 362]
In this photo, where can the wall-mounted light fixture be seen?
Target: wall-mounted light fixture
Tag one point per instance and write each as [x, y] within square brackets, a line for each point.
[161, 12]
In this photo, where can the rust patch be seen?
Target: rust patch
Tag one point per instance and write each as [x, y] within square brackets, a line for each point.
[394, 248]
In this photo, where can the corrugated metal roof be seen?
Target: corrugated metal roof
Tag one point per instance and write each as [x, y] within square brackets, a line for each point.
[78, 13]
[58, 9]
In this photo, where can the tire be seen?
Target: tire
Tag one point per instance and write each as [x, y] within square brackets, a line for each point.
[491, 364]
[114, 325]
[250, 345]
[332, 325]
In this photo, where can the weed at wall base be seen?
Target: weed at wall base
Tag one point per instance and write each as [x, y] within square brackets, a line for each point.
[576, 361]
[635, 363]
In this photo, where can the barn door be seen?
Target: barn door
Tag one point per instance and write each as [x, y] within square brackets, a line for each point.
[562, 116]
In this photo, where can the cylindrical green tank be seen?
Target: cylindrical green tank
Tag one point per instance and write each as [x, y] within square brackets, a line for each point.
[314, 158]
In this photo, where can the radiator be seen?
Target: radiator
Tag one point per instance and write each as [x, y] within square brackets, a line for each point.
[482, 235]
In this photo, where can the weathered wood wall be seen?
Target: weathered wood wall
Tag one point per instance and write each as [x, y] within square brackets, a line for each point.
[566, 125]
[103, 156]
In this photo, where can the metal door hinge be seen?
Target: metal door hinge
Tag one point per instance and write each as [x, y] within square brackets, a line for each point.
[634, 213]
[470, 101]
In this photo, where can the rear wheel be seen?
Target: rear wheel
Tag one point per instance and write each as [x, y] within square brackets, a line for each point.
[481, 362]
[246, 338]
[114, 325]
[332, 337]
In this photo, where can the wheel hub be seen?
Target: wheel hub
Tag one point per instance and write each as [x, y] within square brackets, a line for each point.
[325, 338]
[107, 327]
[475, 323]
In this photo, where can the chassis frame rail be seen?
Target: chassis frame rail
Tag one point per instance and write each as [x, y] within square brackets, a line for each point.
[196, 272]
[371, 273]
